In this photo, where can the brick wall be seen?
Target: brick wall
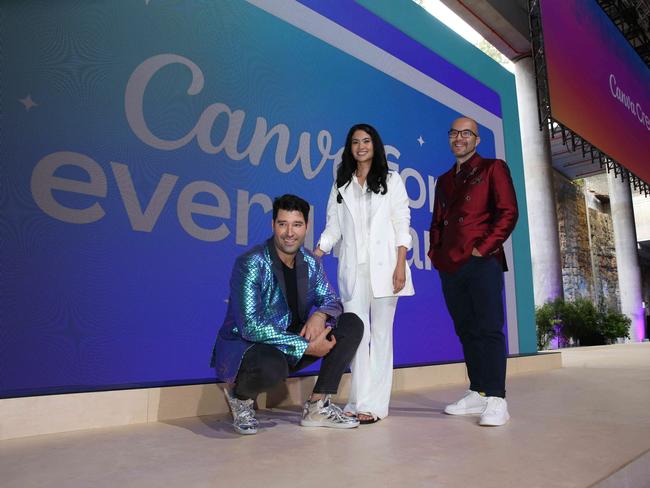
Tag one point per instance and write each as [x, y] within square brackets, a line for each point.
[586, 244]
[603, 257]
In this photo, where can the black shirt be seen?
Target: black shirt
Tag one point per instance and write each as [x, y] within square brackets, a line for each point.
[292, 298]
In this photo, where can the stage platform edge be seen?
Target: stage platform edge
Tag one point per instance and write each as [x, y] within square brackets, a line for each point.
[48, 414]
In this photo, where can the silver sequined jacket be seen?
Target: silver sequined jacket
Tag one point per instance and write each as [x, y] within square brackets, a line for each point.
[258, 311]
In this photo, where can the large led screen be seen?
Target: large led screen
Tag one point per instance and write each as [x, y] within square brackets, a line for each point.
[142, 145]
[599, 86]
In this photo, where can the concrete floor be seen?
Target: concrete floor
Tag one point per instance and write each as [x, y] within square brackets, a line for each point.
[570, 428]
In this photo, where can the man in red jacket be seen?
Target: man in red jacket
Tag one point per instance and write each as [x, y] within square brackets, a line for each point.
[475, 210]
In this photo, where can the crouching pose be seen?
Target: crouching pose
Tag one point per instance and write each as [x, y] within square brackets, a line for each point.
[283, 315]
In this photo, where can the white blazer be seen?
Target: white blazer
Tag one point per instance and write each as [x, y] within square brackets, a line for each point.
[389, 228]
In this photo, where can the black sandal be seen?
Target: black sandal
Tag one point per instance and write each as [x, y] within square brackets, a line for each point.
[371, 420]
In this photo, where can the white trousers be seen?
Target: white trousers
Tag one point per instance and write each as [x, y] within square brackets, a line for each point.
[372, 366]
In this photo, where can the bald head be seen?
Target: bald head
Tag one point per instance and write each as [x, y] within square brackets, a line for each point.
[463, 138]
[465, 122]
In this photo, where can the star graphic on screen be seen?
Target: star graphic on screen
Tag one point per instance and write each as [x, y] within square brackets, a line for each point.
[420, 141]
[28, 102]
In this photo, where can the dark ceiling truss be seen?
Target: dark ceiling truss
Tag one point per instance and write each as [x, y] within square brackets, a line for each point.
[633, 20]
[569, 138]
[576, 143]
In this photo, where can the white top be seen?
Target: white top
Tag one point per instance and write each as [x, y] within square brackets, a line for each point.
[362, 233]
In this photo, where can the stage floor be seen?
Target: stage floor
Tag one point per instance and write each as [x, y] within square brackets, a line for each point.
[570, 427]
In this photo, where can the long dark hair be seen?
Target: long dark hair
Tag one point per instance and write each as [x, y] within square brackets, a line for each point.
[376, 179]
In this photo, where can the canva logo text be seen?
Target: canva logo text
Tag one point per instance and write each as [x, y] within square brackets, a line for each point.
[192, 207]
[629, 103]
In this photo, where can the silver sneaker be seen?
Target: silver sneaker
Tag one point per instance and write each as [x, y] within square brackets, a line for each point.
[471, 403]
[243, 414]
[324, 413]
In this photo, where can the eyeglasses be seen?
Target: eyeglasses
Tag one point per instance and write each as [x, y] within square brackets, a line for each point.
[465, 134]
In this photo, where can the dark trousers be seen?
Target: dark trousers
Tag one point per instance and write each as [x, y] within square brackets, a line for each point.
[264, 366]
[474, 299]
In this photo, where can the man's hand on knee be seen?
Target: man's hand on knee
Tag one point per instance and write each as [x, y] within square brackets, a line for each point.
[314, 326]
[321, 345]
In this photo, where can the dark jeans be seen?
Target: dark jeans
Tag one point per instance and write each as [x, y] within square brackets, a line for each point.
[474, 299]
[264, 366]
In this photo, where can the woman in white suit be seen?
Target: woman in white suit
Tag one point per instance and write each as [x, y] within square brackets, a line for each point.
[368, 211]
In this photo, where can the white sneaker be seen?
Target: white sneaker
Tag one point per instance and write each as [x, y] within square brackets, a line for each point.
[472, 402]
[496, 412]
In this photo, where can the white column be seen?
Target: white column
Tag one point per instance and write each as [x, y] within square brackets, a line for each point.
[540, 193]
[627, 259]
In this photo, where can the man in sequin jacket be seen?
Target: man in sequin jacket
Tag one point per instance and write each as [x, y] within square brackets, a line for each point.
[284, 315]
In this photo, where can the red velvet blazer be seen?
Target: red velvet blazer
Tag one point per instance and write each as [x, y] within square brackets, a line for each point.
[475, 208]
